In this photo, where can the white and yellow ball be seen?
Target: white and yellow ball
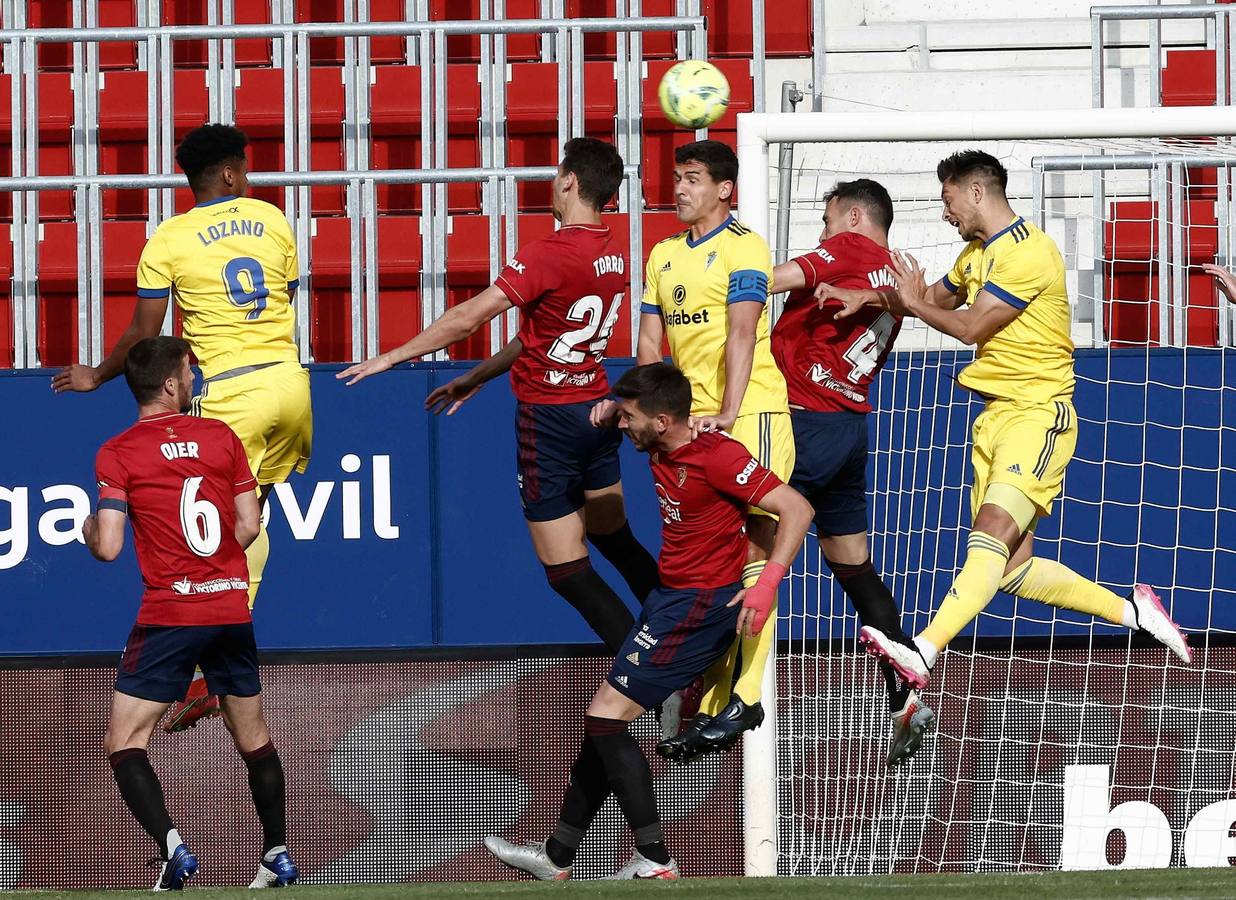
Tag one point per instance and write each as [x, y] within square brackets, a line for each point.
[694, 94]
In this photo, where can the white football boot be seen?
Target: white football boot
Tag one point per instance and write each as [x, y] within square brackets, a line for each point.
[1154, 620]
[530, 858]
[910, 723]
[642, 867]
[907, 661]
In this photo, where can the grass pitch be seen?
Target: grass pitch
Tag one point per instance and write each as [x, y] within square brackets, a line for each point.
[1178, 884]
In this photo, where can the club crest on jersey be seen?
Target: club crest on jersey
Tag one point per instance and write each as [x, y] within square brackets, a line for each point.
[712, 257]
[682, 475]
[967, 271]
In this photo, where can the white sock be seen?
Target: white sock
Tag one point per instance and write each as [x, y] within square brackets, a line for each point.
[927, 650]
[273, 852]
[1129, 618]
[173, 841]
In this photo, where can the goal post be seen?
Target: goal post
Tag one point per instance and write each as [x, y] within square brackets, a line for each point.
[919, 454]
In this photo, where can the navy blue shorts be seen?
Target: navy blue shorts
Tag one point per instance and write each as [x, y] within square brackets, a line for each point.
[159, 660]
[680, 633]
[559, 456]
[830, 468]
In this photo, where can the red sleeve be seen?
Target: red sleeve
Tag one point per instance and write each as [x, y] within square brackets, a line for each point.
[242, 476]
[827, 263]
[529, 275]
[734, 472]
[112, 478]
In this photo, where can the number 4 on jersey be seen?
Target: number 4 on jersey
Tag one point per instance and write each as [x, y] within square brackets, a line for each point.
[864, 354]
[594, 332]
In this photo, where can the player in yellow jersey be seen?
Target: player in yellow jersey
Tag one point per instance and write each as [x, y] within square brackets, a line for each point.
[706, 289]
[231, 263]
[1007, 295]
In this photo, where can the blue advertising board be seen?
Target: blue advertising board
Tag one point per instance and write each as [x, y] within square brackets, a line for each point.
[406, 530]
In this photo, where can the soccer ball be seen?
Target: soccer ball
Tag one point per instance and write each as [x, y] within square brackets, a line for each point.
[694, 94]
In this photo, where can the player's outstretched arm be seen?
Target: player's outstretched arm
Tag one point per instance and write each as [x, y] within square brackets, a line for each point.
[789, 276]
[970, 325]
[794, 515]
[147, 322]
[459, 322]
[459, 390]
[248, 518]
[104, 534]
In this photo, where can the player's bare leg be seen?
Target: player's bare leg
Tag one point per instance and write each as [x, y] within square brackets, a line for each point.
[244, 719]
[128, 734]
[199, 703]
[559, 545]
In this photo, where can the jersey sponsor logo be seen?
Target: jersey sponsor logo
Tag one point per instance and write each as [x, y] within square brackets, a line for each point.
[712, 257]
[680, 295]
[612, 264]
[516, 266]
[670, 508]
[214, 586]
[558, 378]
[179, 450]
[678, 317]
[231, 228]
[745, 475]
[881, 278]
[633, 658]
[645, 639]
[825, 255]
[824, 378]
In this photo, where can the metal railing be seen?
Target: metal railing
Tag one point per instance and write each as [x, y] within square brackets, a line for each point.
[1168, 194]
[424, 41]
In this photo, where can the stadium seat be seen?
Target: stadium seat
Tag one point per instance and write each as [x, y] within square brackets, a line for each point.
[1188, 78]
[399, 267]
[1131, 249]
[59, 14]
[467, 48]
[604, 45]
[329, 51]
[195, 53]
[787, 28]
[532, 123]
[58, 286]
[661, 136]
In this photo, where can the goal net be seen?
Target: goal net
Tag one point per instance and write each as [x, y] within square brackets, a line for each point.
[1061, 742]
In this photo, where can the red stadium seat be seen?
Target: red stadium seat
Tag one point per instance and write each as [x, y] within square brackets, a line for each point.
[249, 52]
[59, 14]
[661, 136]
[58, 281]
[330, 52]
[604, 45]
[787, 28]
[399, 263]
[467, 48]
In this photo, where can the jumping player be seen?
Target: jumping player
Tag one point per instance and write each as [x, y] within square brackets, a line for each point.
[185, 485]
[231, 263]
[569, 287]
[706, 288]
[1007, 295]
[705, 487]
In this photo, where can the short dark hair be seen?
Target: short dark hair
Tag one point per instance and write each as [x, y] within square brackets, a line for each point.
[866, 193]
[716, 157]
[597, 166]
[973, 164]
[152, 361]
[206, 148]
[658, 388]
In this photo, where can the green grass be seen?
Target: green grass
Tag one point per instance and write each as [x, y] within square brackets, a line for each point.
[1178, 884]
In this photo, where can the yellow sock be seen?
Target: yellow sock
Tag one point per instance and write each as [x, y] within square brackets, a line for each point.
[256, 555]
[1050, 582]
[719, 678]
[755, 650]
[972, 589]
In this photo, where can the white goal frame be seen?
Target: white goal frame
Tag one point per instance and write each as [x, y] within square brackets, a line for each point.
[756, 131]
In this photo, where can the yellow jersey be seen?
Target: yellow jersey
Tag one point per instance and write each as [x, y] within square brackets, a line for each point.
[691, 284]
[1030, 358]
[233, 267]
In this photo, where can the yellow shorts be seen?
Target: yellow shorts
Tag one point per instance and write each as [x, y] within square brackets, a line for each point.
[770, 438]
[270, 412]
[1024, 445]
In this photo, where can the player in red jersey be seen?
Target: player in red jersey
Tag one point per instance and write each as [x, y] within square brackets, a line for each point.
[185, 485]
[705, 487]
[569, 288]
[830, 352]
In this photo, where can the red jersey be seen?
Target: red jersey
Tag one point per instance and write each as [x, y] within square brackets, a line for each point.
[704, 488]
[177, 477]
[568, 287]
[828, 364]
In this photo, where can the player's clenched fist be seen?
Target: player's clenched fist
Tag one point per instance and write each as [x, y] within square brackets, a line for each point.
[361, 371]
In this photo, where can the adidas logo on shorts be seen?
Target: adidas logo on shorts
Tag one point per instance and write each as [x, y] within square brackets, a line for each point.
[1014, 468]
[633, 658]
[622, 680]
